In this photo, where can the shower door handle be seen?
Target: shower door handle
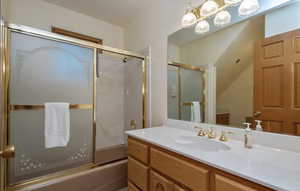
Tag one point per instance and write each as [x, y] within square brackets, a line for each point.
[8, 152]
[133, 124]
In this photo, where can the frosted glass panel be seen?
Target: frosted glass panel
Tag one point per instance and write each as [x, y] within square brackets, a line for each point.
[173, 93]
[119, 98]
[192, 85]
[48, 71]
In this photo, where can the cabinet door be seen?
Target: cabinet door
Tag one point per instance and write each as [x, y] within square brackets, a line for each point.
[189, 174]
[226, 184]
[178, 188]
[138, 174]
[159, 183]
[132, 187]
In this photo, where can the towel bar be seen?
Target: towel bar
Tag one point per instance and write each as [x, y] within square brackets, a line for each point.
[37, 107]
[190, 103]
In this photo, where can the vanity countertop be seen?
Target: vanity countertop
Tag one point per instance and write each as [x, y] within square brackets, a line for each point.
[274, 168]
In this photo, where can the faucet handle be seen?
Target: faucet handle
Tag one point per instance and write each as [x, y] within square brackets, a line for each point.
[202, 132]
[211, 133]
[224, 136]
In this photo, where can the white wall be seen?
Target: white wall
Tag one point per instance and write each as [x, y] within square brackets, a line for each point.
[43, 15]
[173, 53]
[283, 20]
[152, 28]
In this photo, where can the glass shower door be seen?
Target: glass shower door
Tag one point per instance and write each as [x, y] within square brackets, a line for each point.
[119, 104]
[41, 71]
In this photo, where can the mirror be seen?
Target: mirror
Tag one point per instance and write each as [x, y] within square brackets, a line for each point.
[248, 71]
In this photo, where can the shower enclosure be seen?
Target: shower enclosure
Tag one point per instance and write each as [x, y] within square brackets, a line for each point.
[106, 89]
[186, 84]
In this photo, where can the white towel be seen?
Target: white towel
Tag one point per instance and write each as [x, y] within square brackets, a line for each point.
[57, 124]
[196, 112]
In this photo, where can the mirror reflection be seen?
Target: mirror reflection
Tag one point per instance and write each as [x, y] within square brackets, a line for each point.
[186, 89]
[249, 72]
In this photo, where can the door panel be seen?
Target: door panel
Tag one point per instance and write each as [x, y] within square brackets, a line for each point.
[273, 86]
[296, 87]
[273, 126]
[273, 50]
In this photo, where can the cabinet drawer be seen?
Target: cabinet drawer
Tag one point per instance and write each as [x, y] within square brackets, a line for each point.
[190, 175]
[138, 173]
[225, 184]
[138, 150]
[132, 187]
[159, 183]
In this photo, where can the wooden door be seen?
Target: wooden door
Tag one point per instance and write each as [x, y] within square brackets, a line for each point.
[294, 117]
[159, 183]
[277, 83]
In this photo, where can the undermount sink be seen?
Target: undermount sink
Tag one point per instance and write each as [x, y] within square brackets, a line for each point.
[201, 143]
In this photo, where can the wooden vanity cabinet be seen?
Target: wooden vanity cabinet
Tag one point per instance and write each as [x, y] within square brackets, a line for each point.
[132, 187]
[151, 168]
[178, 188]
[159, 183]
[223, 183]
[138, 173]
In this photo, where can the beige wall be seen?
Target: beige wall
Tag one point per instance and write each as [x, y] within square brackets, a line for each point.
[207, 50]
[42, 15]
[237, 99]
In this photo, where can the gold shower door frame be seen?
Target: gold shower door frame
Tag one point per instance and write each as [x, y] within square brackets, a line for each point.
[5, 77]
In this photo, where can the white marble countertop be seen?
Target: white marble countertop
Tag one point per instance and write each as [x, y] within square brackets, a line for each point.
[274, 168]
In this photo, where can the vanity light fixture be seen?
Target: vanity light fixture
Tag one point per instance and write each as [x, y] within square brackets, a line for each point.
[222, 18]
[216, 9]
[202, 27]
[208, 7]
[189, 19]
[248, 7]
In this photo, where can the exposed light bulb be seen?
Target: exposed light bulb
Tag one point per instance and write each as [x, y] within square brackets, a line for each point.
[188, 19]
[248, 7]
[202, 27]
[232, 1]
[208, 8]
[222, 18]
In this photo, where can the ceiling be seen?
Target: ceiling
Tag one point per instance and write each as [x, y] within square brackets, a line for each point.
[119, 12]
[187, 35]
